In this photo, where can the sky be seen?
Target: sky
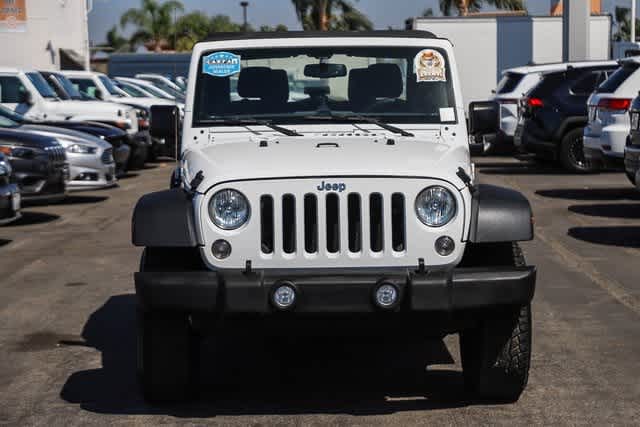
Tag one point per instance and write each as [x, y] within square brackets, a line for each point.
[383, 13]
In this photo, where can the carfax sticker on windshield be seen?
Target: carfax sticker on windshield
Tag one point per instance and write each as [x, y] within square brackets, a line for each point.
[221, 64]
[429, 66]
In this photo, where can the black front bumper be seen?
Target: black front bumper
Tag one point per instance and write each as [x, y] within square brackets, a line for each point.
[335, 291]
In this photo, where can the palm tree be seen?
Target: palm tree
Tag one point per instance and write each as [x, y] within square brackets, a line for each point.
[154, 21]
[466, 6]
[623, 24]
[321, 15]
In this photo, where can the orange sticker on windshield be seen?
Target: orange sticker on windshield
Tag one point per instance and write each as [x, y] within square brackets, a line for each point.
[429, 66]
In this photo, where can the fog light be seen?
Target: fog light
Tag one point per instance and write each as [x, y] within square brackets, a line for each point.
[386, 295]
[221, 249]
[284, 296]
[445, 245]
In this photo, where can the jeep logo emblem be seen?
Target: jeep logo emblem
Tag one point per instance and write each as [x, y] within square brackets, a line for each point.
[336, 186]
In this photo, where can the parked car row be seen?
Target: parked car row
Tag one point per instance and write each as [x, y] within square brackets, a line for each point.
[581, 115]
[67, 131]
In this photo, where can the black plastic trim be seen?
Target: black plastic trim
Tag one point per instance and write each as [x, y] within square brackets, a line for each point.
[164, 219]
[226, 36]
[500, 215]
[337, 291]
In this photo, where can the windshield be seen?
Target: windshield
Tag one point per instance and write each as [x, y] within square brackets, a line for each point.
[618, 78]
[171, 91]
[132, 90]
[108, 84]
[41, 85]
[157, 92]
[300, 85]
[509, 82]
[67, 86]
[11, 115]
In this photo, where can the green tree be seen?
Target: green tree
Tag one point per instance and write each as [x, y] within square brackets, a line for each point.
[116, 41]
[191, 28]
[224, 24]
[464, 7]
[154, 22]
[269, 28]
[623, 25]
[427, 13]
[325, 15]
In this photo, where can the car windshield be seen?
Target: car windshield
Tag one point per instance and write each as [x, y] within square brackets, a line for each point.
[10, 115]
[618, 77]
[509, 82]
[108, 84]
[67, 86]
[171, 91]
[157, 92]
[132, 90]
[41, 85]
[301, 85]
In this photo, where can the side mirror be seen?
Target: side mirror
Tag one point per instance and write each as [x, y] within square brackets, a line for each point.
[26, 98]
[165, 122]
[98, 94]
[483, 118]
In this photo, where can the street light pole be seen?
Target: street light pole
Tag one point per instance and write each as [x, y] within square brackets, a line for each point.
[244, 5]
[633, 21]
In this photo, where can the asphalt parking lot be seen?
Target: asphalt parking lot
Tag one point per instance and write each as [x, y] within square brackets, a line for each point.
[67, 341]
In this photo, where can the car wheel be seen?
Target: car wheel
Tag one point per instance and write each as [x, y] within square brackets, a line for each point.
[168, 346]
[572, 152]
[496, 353]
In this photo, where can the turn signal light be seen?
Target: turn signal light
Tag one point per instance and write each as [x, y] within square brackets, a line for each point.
[614, 105]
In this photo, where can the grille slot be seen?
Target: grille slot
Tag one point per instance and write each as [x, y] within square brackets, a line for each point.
[376, 224]
[311, 223]
[398, 229]
[333, 223]
[266, 224]
[288, 224]
[355, 222]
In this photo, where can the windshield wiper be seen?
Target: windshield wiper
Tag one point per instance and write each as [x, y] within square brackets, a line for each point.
[255, 122]
[357, 117]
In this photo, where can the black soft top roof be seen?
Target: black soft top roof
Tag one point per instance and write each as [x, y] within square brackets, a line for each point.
[214, 37]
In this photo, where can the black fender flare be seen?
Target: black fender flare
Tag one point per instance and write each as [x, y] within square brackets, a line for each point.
[500, 214]
[570, 123]
[164, 219]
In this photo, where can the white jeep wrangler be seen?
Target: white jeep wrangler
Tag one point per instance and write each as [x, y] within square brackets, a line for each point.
[325, 179]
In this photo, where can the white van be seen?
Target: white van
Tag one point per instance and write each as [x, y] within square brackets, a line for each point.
[29, 94]
[606, 133]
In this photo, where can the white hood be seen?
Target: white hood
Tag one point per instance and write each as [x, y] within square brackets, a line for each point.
[144, 102]
[324, 155]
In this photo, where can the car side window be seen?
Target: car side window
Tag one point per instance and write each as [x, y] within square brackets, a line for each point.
[11, 90]
[587, 83]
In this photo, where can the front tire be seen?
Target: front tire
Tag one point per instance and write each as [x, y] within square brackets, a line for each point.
[572, 152]
[496, 354]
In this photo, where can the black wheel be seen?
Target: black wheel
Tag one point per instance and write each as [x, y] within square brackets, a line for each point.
[572, 152]
[168, 347]
[632, 177]
[496, 354]
[138, 158]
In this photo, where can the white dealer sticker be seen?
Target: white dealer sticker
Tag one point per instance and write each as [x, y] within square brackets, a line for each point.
[429, 66]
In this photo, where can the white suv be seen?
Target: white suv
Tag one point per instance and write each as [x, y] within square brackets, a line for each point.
[609, 124]
[351, 210]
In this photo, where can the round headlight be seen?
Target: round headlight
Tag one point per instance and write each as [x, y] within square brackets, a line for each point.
[435, 206]
[229, 209]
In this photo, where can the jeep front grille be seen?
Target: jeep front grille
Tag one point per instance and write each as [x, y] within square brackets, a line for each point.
[360, 216]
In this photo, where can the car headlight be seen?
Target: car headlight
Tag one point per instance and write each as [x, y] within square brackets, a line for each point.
[229, 209]
[81, 149]
[435, 206]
